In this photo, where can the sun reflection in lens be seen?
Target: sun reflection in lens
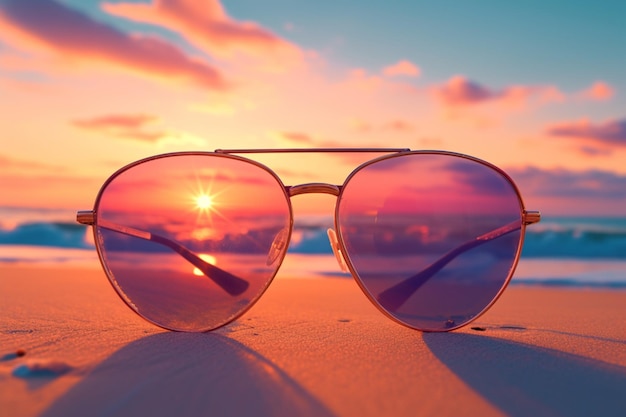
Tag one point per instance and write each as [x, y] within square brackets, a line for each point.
[207, 258]
[204, 202]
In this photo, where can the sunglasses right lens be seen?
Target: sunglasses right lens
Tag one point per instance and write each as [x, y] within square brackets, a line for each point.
[191, 241]
[432, 238]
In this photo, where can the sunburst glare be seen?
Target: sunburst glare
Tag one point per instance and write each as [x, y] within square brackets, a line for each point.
[204, 202]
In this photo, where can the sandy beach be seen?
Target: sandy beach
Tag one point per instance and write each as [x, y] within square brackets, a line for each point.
[310, 347]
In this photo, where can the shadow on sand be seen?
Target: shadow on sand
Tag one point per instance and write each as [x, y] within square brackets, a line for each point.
[525, 380]
[179, 374]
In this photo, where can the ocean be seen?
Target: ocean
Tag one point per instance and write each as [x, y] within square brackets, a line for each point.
[558, 251]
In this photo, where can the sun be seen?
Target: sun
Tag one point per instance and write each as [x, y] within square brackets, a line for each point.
[204, 202]
[206, 205]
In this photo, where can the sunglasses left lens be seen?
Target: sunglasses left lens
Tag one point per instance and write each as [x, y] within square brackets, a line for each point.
[191, 241]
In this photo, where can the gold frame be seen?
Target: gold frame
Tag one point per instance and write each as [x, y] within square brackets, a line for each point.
[236, 285]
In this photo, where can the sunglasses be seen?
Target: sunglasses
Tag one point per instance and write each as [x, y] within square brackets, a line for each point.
[191, 240]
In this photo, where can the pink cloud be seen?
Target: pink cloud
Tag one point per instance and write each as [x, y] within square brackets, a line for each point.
[298, 138]
[569, 183]
[594, 151]
[402, 68]
[361, 125]
[399, 125]
[123, 126]
[561, 191]
[75, 37]
[304, 140]
[612, 132]
[598, 91]
[360, 80]
[518, 95]
[117, 121]
[460, 91]
[207, 25]
[43, 189]
[395, 125]
[11, 163]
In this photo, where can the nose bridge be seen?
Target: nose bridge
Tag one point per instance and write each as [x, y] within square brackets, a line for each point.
[314, 188]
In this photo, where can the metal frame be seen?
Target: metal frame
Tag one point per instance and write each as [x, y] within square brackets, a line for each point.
[313, 150]
[235, 285]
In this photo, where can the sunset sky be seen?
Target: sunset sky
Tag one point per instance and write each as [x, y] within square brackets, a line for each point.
[536, 87]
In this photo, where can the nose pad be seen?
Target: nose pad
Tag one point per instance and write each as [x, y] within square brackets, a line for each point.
[278, 246]
[334, 243]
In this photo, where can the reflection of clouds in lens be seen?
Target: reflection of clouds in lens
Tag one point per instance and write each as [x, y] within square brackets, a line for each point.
[424, 173]
[442, 169]
[479, 178]
[200, 233]
[221, 175]
[204, 184]
[426, 183]
[249, 236]
[396, 162]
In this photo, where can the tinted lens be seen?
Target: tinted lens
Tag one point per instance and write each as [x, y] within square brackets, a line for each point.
[433, 238]
[191, 241]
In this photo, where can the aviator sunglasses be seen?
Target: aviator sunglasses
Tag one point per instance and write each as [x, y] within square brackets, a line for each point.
[191, 240]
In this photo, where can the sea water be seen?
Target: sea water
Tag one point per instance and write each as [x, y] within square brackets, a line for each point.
[571, 251]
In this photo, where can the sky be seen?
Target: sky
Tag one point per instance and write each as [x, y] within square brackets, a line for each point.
[535, 87]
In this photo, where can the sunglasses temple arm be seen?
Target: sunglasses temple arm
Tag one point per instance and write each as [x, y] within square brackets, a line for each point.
[394, 297]
[227, 281]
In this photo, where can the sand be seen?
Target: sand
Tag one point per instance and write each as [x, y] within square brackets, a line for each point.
[310, 347]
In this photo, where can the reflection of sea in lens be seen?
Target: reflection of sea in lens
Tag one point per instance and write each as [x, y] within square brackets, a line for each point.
[188, 248]
[418, 230]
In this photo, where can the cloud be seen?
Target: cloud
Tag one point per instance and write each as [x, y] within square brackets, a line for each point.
[353, 159]
[75, 37]
[478, 179]
[402, 68]
[595, 151]
[304, 140]
[598, 91]
[399, 125]
[43, 190]
[612, 132]
[117, 121]
[124, 126]
[206, 25]
[394, 126]
[564, 183]
[9, 163]
[297, 138]
[460, 91]
[359, 80]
